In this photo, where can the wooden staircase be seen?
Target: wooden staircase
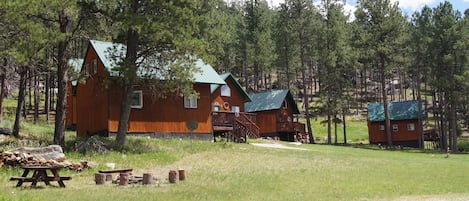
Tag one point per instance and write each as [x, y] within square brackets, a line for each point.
[237, 126]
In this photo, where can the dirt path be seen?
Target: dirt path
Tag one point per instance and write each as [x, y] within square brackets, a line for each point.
[277, 146]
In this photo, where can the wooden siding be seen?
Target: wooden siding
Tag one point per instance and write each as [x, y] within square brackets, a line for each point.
[92, 98]
[164, 115]
[402, 134]
[236, 98]
[275, 121]
[71, 108]
[267, 121]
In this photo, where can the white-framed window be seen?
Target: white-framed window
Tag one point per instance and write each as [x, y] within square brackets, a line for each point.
[411, 127]
[94, 67]
[190, 101]
[225, 90]
[381, 127]
[235, 109]
[216, 107]
[395, 127]
[137, 100]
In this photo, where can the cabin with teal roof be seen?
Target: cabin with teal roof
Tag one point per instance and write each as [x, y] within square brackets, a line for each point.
[275, 115]
[404, 123]
[98, 99]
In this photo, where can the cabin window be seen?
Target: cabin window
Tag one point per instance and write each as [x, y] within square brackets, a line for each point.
[85, 70]
[395, 128]
[225, 90]
[235, 109]
[411, 127]
[136, 100]
[381, 127]
[216, 107]
[190, 101]
[94, 67]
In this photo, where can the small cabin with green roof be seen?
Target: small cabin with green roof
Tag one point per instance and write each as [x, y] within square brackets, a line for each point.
[404, 123]
[99, 99]
[275, 112]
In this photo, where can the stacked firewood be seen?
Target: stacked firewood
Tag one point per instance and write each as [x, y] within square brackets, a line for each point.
[16, 158]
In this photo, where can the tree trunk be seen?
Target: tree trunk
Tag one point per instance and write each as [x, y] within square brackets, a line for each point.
[46, 98]
[130, 61]
[21, 96]
[345, 127]
[329, 129]
[36, 99]
[419, 115]
[2, 87]
[62, 79]
[335, 129]
[387, 122]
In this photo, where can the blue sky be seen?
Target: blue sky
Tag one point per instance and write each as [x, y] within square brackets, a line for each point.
[407, 6]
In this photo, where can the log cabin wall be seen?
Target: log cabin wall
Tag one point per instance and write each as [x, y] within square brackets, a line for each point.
[407, 131]
[164, 116]
[235, 99]
[92, 98]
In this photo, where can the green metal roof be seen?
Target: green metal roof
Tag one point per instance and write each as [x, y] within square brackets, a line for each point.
[270, 100]
[111, 53]
[76, 64]
[225, 76]
[397, 111]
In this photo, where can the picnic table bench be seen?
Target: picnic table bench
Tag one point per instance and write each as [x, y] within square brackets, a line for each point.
[40, 175]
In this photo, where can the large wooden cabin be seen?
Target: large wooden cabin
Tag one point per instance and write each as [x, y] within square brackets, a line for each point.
[275, 112]
[99, 99]
[228, 117]
[404, 123]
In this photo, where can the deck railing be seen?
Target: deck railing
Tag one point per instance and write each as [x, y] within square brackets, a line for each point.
[227, 118]
[244, 122]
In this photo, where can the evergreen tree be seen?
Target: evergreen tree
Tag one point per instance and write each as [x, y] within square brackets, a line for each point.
[160, 36]
[382, 23]
[334, 62]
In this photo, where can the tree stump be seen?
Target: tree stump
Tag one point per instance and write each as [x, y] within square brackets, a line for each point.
[147, 179]
[108, 177]
[182, 175]
[173, 174]
[123, 179]
[100, 178]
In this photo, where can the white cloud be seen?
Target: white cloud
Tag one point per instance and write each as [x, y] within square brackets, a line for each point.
[413, 5]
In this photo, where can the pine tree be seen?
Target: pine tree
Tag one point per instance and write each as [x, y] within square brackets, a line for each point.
[382, 23]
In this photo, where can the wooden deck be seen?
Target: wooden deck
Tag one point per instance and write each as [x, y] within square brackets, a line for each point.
[238, 126]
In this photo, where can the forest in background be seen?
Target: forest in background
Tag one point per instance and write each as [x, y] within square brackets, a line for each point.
[332, 64]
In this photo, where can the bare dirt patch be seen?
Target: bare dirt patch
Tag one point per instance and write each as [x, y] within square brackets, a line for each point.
[277, 146]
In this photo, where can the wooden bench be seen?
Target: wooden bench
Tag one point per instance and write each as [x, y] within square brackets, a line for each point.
[116, 171]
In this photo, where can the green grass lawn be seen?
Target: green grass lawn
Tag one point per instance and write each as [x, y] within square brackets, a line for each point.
[357, 131]
[219, 171]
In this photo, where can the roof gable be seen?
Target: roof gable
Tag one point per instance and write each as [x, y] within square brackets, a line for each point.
[108, 52]
[405, 110]
[76, 64]
[270, 100]
[226, 76]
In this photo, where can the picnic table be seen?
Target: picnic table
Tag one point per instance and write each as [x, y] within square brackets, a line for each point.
[40, 175]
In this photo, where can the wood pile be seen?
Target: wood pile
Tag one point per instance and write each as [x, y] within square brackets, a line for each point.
[17, 158]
